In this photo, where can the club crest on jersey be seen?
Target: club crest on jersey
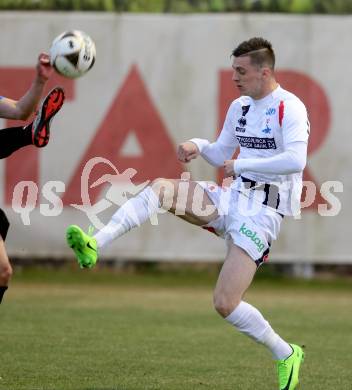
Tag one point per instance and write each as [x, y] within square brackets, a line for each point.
[270, 111]
[267, 129]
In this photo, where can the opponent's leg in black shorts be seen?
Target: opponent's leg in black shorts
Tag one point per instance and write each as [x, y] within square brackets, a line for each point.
[36, 133]
[5, 266]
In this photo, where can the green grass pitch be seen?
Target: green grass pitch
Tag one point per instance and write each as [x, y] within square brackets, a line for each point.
[97, 331]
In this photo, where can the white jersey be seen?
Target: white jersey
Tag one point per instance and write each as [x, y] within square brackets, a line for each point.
[263, 129]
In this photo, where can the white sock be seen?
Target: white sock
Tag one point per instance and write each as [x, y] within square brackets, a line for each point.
[133, 213]
[248, 320]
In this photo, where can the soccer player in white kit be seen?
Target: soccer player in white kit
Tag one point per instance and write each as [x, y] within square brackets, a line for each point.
[270, 127]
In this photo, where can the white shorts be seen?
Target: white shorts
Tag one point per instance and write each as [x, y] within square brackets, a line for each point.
[249, 225]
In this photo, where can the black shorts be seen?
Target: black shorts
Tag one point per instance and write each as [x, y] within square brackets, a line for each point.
[4, 224]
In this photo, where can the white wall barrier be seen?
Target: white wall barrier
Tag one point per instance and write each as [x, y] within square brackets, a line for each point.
[159, 80]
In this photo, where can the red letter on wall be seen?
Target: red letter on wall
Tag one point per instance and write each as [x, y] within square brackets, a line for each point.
[131, 112]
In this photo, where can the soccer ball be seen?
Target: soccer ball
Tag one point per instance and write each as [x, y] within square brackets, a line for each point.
[72, 53]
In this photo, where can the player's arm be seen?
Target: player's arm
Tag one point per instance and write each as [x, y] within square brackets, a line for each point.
[295, 130]
[214, 153]
[292, 160]
[23, 108]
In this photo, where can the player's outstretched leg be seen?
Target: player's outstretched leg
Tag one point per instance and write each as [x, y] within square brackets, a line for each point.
[288, 369]
[133, 213]
[49, 107]
[162, 193]
[83, 245]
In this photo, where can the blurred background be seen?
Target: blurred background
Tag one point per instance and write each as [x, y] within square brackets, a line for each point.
[143, 318]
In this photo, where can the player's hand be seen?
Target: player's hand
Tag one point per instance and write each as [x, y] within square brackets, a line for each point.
[229, 168]
[187, 151]
[44, 69]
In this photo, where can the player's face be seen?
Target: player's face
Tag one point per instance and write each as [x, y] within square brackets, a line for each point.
[248, 78]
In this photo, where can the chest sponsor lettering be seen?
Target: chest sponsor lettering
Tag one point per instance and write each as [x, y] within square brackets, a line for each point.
[256, 142]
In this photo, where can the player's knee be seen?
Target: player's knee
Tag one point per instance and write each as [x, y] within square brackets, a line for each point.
[224, 305]
[165, 190]
[5, 274]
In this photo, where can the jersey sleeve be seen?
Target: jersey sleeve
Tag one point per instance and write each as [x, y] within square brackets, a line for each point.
[292, 160]
[295, 123]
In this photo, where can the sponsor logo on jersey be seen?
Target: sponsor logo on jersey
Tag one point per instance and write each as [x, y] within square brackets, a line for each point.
[253, 236]
[240, 129]
[270, 111]
[242, 121]
[256, 142]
